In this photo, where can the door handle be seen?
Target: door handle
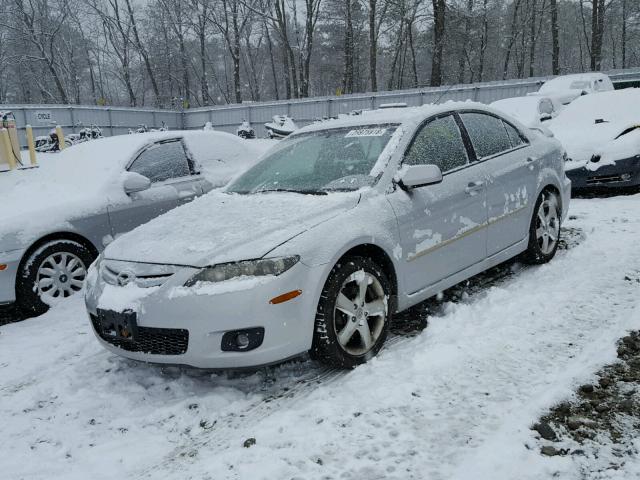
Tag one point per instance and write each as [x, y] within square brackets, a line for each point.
[473, 187]
[530, 162]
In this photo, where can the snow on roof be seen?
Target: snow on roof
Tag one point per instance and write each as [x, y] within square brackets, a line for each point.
[565, 82]
[524, 109]
[404, 116]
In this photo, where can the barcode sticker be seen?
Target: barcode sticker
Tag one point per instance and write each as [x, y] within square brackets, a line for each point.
[366, 132]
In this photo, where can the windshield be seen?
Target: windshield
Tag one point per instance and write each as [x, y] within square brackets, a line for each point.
[338, 159]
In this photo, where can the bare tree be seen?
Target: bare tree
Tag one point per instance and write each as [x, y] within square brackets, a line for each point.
[439, 10]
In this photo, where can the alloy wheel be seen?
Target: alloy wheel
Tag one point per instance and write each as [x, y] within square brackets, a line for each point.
[360, 313]
[548, 223]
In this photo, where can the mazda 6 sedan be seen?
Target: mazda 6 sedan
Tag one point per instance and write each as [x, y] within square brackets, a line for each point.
[57, 218]
[340, 226]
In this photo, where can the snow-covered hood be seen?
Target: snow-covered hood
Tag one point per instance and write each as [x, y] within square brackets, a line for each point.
[221, 227]
[600, 125]
[602, 141]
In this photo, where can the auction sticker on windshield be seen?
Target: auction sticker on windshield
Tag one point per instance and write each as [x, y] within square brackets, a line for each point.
[366, 132]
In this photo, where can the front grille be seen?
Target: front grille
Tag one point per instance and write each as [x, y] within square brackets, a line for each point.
[144, 275]
[608, 179]
[144, 281]
[157, 341]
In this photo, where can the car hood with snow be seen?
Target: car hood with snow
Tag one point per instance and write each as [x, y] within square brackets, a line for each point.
[225, 227]
[597, 130]
[83, 179]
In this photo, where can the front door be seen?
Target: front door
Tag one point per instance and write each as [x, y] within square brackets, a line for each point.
[442, 227]
[173, 182]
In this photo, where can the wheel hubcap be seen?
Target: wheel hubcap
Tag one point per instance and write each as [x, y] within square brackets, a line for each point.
[548, 223]
[360, 313]
[60, 275]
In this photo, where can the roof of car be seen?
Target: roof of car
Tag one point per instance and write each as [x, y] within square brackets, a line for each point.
[564, 81]
[401, 116]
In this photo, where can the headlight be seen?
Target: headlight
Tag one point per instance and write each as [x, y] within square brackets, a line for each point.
[248, 268]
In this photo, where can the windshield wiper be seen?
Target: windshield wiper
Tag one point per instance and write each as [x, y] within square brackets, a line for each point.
[292, 190]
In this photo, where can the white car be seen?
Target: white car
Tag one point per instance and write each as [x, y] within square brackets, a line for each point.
[532, 110]
[314, 248]
[57, 218]
[566, 88]
[601, 134]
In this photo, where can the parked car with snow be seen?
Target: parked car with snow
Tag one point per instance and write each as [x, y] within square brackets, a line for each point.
[58, 217]
[532, 110]
[566, 88]
[601, 134]
[341, 225]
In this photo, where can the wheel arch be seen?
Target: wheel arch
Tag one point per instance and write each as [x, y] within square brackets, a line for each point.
[552, 187]
[52, 237]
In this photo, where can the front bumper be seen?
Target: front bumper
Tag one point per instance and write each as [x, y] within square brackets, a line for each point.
[288, 326]
[623, 173]
[8, 275]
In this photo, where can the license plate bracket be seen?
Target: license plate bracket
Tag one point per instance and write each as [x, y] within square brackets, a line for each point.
[120, 325]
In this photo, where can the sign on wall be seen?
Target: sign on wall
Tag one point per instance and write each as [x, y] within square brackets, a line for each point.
[44, 116]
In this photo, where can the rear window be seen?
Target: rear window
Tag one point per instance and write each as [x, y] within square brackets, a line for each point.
[488, 134]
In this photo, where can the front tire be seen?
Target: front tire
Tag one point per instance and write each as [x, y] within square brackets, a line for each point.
[54, 270]
[544, 230]
[353, 316]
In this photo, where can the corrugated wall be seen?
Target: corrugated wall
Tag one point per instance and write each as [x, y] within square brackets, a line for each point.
[112, 120]
[118, 120]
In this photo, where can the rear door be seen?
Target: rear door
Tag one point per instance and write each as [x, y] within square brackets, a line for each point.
[174, 181]
[442, 227]
[511, 174]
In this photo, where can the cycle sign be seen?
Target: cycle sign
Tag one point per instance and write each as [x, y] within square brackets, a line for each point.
[44, 116]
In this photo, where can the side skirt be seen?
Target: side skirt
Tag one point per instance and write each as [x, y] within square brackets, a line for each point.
[406, 301]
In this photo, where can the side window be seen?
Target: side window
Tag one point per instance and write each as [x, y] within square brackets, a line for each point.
[439, 142]
[514, 135]
[487, 134]
[162, 161]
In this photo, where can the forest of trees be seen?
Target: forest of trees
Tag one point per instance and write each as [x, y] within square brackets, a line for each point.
[189, 53]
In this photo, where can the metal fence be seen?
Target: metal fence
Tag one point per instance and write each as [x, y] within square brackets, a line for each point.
[112, 120]
[118, 120]
[304, 111]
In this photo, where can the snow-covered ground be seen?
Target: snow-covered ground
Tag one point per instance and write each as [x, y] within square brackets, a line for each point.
[455, 401]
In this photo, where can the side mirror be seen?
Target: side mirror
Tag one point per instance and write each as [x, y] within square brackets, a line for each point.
[545, 116]
[420, 176]
[134, 182]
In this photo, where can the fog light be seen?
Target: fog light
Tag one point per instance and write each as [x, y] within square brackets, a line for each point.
[242, 340]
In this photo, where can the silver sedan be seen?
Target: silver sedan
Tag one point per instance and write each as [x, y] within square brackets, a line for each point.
[316, 247]
[59, 217]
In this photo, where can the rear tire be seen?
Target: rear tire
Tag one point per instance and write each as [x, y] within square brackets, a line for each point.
[354, 313]
[56, 269]
[544, 230]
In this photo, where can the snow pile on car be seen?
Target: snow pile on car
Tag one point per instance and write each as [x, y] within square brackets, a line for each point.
[217, 226]
[595, 125]
[79, 180]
